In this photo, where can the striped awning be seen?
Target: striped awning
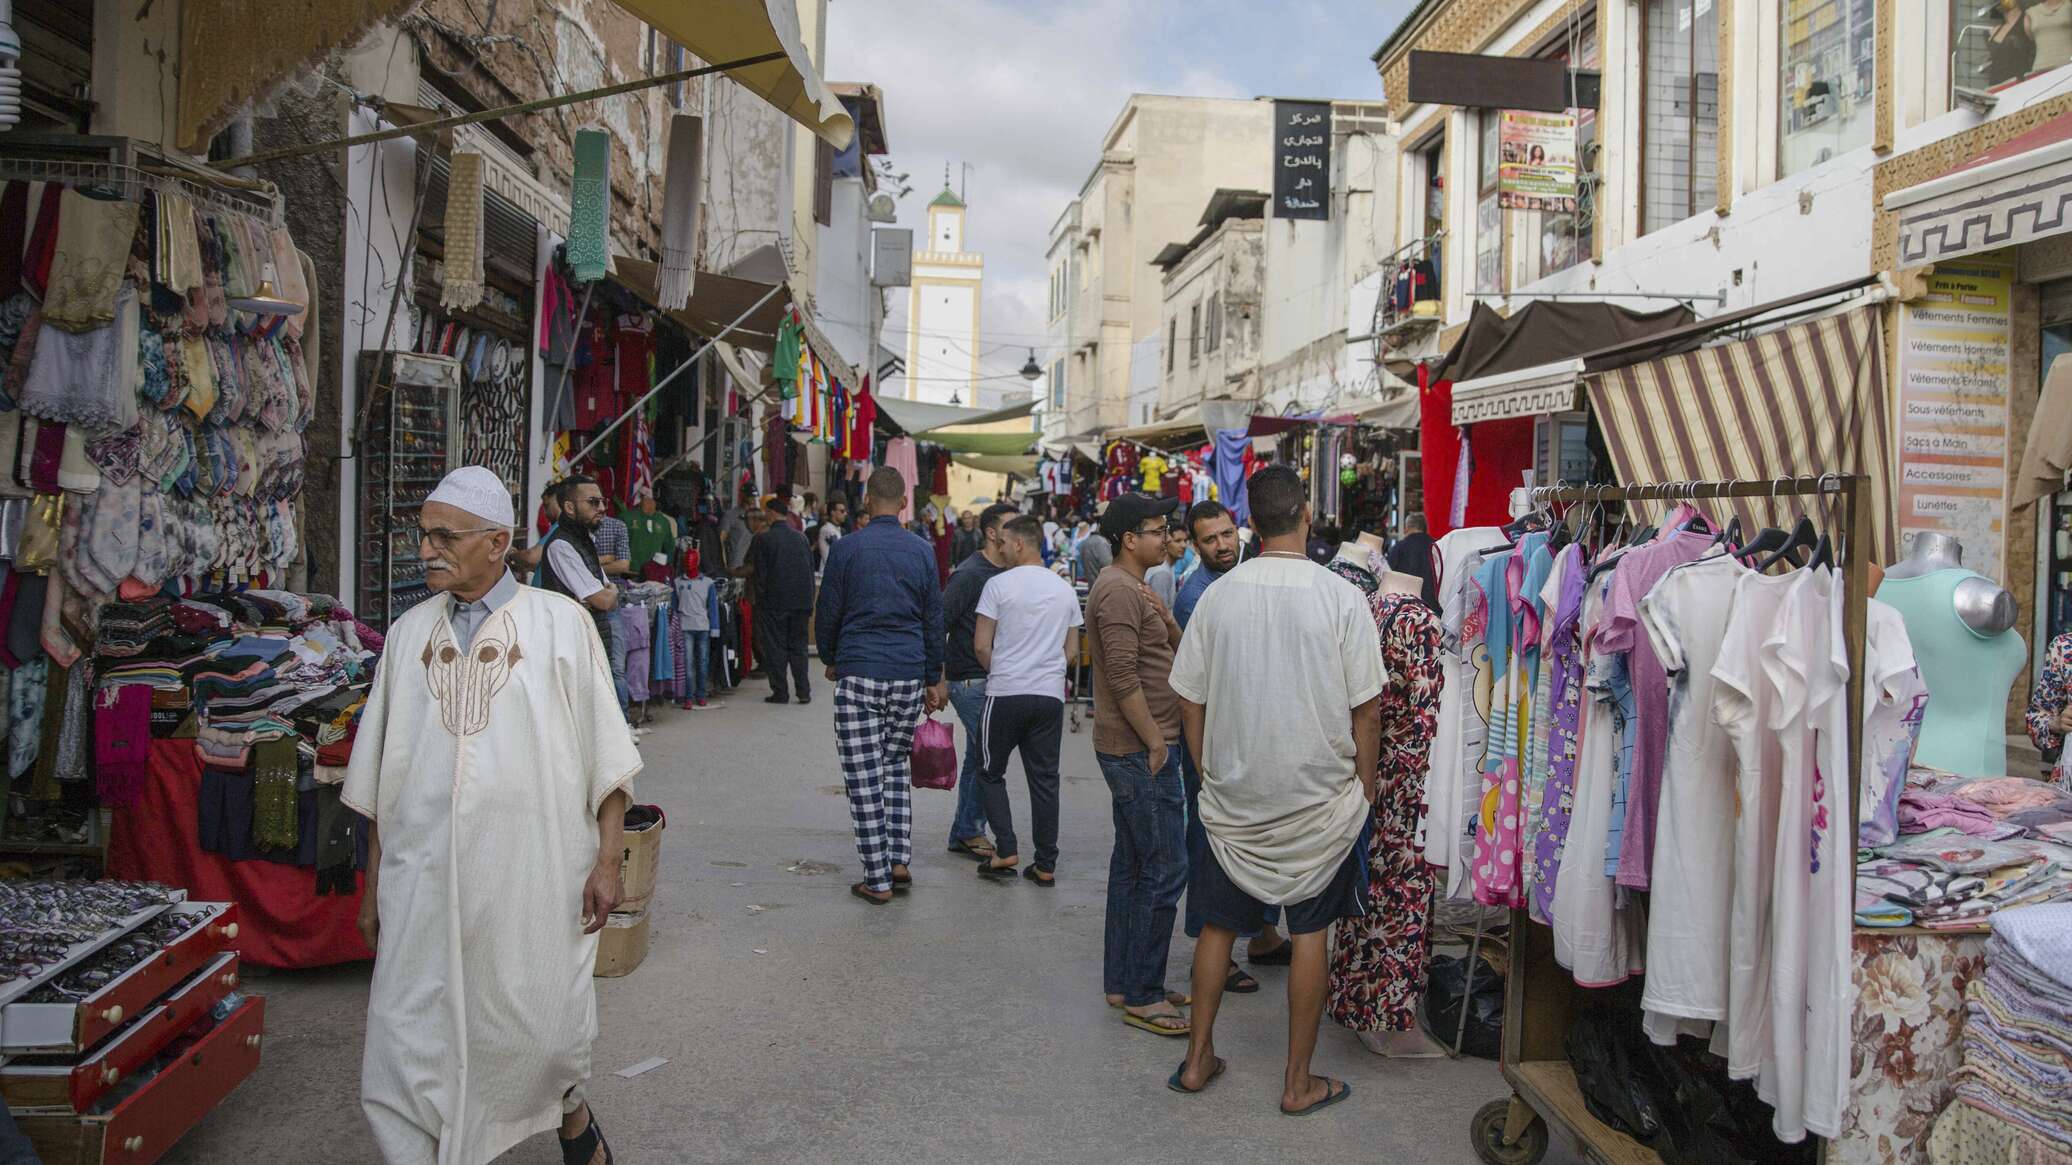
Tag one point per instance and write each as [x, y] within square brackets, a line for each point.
[1803, 400]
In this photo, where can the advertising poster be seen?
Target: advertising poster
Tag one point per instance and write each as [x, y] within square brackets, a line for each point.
[1536, 163]
[1954, 355]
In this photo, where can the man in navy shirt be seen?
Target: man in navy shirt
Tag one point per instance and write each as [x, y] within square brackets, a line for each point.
[879, 625]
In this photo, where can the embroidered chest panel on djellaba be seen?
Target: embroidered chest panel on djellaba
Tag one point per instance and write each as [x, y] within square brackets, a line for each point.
[465, 681]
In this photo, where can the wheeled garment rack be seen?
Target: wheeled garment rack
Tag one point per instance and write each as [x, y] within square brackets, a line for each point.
[1541, 1001]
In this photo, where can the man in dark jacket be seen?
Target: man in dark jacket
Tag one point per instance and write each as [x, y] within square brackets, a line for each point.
[879, 624]
[967, 676]
[781, 564]
[1412, 554]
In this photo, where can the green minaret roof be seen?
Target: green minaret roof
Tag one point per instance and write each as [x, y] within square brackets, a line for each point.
[946, 198]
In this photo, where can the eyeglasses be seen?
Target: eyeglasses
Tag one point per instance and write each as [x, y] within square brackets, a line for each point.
[591, 503]
[443, 539]
[1158, 531]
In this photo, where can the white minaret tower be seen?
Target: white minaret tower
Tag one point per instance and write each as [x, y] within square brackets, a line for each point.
[942, 312]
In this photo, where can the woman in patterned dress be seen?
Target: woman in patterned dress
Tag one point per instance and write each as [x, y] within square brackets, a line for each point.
[1378, 962]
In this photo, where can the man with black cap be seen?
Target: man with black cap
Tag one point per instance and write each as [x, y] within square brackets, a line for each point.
[1131, 636]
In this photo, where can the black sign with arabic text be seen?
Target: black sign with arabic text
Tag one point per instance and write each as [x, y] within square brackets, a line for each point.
[1302, 159]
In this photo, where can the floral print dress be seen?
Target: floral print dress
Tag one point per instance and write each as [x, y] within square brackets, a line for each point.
[2053, 689]
[1378, 961]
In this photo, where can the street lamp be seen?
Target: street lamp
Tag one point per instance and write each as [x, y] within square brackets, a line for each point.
[1031, 371]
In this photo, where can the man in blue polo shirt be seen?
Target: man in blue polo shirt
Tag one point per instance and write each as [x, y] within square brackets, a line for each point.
[879, 626]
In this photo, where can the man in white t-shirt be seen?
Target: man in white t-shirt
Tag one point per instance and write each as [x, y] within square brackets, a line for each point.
[1028, 620]
[1279, 678]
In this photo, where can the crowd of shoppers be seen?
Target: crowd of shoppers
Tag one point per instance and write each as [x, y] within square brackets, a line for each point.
[1259, 813]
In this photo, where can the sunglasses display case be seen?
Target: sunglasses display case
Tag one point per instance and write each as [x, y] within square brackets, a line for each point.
[412, 406]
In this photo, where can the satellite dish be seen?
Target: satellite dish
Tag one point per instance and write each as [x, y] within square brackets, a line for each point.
[883, 208]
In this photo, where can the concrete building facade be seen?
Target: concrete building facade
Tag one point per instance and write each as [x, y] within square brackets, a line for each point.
[1160, 160]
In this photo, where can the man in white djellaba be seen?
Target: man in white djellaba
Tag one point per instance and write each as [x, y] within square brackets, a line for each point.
[495, 767]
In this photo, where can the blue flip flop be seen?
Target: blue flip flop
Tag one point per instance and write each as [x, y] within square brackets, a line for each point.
[1331, 1097]
[1173, 1081]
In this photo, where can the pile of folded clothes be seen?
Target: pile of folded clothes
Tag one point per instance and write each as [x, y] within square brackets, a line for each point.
[1966, 849]
[2012, 1092]
[275, 682]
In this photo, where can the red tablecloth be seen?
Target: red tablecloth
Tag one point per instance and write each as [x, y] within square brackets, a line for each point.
[282, 921]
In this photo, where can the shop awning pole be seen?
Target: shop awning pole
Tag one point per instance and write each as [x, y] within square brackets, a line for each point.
[497, 114]
[674, 373]
[562, 386]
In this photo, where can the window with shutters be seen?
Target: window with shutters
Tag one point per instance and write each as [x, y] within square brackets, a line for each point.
[1215, 338]
[1172, 342]
[1194, 335]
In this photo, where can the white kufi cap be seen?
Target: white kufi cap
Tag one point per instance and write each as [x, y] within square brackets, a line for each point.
[480, 492]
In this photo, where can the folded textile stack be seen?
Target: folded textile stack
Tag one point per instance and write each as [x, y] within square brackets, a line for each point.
[127, 628]
[2017, 1041]
[1967, 847]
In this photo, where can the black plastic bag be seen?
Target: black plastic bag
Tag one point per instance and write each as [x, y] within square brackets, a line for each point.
[1677, 1101]
[1446, 983]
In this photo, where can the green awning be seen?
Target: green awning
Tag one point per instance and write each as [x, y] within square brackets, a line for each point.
[1019, 464]
[981, 442]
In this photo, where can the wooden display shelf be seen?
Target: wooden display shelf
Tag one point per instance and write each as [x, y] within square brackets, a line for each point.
[1549, 1086]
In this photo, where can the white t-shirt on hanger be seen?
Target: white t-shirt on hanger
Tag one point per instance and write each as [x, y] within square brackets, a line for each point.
[1894, 698]
[1693, 897]
[1742, 704]
[1453, 786]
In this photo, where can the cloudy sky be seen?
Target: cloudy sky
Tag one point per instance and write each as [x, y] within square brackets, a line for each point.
[1023, 92]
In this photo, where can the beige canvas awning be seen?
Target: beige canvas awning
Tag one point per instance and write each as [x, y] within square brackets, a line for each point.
[733, 30]
[716, 301]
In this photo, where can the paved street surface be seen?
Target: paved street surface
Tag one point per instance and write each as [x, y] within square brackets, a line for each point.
[963, 1023]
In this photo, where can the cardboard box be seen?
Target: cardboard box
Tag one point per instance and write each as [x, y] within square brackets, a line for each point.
[622, 944]
[640, 863]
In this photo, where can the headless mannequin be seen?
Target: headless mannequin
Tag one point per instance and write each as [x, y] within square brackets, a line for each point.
[1393, 582]
[1984, 606]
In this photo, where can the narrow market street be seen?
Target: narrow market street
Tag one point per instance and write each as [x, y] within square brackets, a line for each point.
[965, 1022]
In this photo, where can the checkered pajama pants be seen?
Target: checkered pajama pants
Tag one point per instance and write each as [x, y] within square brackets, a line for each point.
[874, 735]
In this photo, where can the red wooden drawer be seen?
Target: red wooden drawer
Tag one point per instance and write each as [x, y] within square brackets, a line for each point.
[72, 1027]
[76, 1082]
[139, 1129]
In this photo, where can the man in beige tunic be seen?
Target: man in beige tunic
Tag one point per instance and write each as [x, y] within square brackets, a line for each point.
[496, 768]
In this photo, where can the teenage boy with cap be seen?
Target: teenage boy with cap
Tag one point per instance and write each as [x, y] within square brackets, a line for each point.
[1131, 636]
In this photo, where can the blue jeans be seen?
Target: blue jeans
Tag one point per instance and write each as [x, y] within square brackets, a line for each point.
[697, 650]
[1146, 873]
[1198, 843]
[968, 697]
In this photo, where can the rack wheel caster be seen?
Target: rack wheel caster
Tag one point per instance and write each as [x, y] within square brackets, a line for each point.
[1487, 1133]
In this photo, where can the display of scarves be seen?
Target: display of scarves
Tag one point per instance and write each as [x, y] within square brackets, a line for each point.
[462, 287]
[589, 217]
[86, 268]
[682, 178]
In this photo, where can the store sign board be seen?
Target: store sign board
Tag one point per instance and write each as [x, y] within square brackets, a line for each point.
[1536, 161]
[1302, 160]
[1955, 353]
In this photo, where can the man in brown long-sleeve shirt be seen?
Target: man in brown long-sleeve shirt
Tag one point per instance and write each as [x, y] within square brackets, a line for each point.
[1136, 732]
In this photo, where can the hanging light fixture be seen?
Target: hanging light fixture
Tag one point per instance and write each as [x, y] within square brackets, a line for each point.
[1031, 371]
[266, 301]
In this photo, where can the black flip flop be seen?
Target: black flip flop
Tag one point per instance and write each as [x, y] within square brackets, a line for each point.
[971, 851]
[1173, 1081]
[862, 890]
[584, 1147]
[1331, 1096]
[1279, 956]
[1237, 982]
[1033, 875]
[987, 870]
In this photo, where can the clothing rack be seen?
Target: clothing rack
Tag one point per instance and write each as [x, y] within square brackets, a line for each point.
[130, 168]
[1541, 1000]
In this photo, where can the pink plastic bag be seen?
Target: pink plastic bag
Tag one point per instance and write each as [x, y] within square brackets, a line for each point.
[935, 755]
